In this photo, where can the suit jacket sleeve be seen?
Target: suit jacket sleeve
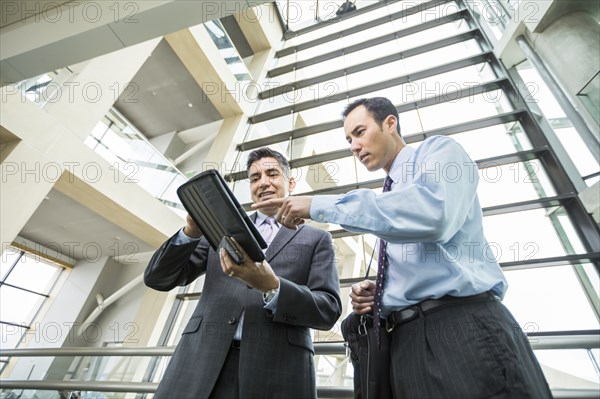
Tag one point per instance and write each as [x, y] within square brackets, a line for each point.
[173, 265]
[316, 304]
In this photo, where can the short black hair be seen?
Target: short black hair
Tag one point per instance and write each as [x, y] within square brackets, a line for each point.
[379, 108]
[265, 152]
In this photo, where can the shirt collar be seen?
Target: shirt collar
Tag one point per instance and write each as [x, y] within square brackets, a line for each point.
[261, 217]
[401, 160]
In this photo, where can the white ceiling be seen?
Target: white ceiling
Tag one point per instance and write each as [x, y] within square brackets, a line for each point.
[16, 10]
[60, 222]
[167, 98]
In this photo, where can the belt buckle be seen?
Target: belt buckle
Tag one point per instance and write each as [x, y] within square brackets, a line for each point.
[391, 323]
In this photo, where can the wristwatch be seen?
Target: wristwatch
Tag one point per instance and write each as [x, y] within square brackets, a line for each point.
[269, 295]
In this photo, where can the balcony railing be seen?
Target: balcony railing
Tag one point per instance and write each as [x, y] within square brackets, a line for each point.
[586, 340]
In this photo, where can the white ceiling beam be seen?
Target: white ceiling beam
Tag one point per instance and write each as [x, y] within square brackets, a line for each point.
[202, 144]
[48, 38]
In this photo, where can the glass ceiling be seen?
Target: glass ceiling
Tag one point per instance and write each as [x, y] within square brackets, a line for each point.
[299, 14]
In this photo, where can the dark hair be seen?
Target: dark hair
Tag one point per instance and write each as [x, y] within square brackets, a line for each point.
[379, 108]
[265, 152]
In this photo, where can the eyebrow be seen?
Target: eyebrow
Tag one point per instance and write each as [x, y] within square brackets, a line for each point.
[267, 170]
[356, 128]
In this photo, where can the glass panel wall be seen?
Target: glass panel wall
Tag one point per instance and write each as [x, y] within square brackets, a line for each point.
[45, 88]
[458, 90]
[117, 141]
[232, 58]
[26, 280]
[300, 14]
[582, 363]
[371, 44]
[578, 150]
[537, 307]
[390, 7]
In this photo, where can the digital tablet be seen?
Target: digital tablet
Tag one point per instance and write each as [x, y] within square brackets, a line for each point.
[218, 214]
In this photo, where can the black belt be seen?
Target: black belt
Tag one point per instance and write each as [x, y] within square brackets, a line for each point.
[236, 344]
[420, 309]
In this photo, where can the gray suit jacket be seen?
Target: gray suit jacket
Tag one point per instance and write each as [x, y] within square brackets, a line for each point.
[276, 356]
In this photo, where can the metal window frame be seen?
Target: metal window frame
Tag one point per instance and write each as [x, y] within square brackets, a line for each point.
[566, 196]
[507, 117]
[300, 84]
[536, 153]
[483, 57]
[462, 14]
[500, 119]
[360, 27]
[290, 34]
[564, 260]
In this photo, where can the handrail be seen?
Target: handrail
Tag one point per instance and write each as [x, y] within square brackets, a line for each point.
[584, 341]
[95, 386]
[85, 351]
[150, 387]
[539, 341]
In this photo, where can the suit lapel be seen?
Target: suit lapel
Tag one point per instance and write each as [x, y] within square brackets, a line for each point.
[281, 239]
[253, 217]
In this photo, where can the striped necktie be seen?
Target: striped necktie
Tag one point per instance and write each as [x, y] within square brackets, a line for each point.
[268, 230]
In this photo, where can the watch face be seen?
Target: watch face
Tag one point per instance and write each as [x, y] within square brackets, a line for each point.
[267, 296]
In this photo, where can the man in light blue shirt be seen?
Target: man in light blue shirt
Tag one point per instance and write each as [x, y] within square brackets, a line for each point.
[439, 286]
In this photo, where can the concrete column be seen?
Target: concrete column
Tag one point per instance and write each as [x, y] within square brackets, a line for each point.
[569, 46]
[86, 97]
[222, 151]
[202, 58]
[169, 144]
[59, 158]
[264, 34]
[25, 184]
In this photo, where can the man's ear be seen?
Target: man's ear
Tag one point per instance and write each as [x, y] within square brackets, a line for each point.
[291, 184]
[390, 123]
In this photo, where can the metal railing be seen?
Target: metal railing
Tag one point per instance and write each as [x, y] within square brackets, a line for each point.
[588, 339]
[148, 387]
[539, 341]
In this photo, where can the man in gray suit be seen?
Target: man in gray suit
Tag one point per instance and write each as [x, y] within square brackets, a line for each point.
[249, 335]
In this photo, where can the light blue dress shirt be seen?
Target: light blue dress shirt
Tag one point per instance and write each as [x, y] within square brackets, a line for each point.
[432, 221]
[271, 306]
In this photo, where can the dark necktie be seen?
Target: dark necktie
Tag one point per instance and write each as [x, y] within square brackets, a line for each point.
[381, 264]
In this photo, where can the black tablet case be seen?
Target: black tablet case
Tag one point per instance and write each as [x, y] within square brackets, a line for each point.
[218, 214]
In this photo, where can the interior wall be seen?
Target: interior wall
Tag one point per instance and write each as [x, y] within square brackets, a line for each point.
[569, 46]
[115, 324]
[69, 299]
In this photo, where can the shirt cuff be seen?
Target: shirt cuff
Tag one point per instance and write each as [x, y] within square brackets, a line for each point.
[181, 238]
[271, 306]
[322, 208]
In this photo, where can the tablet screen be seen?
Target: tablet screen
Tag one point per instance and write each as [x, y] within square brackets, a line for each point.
[216, 211]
